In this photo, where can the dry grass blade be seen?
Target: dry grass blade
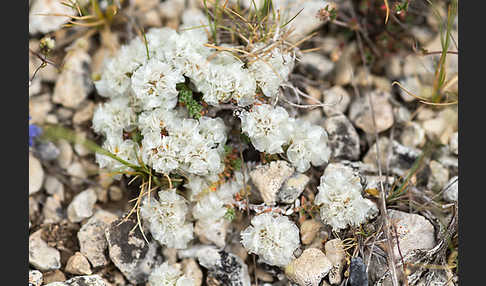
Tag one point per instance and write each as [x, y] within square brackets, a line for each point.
[382, 201]
[136, 209]
[82, 18]
[291, 19]
[425, 100]
[384, 213]
[387, 10]
[87, 25]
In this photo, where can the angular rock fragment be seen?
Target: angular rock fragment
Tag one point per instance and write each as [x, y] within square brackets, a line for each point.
[310, 268]
[92, 240]
[82, 205]
[42, 256]
[360, 112]
[78, 264]
[343, 138]
[224, 267]
[129, 251]
[269, 178]
[292, 188]
[413, 231]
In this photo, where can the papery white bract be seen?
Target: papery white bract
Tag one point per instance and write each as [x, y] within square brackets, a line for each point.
[116, 77]
[123, 149]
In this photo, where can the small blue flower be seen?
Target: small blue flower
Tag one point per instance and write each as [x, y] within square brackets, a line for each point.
[34, 131]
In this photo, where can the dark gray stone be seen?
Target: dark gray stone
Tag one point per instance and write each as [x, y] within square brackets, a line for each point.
[397, 157]
[224, 268]
[343, 138]
[129, 251]
[88, 280]
[357, 274]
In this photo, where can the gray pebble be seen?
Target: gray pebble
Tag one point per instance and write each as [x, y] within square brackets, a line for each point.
[82, 205]
[47, 151]
[357, 274]
[292, 188]
[88, 280]
[42, 256]
[92, 240]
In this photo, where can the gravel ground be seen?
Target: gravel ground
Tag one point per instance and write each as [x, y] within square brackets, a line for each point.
[77, 231]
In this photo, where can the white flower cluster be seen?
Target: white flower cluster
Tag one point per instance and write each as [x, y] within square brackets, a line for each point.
[308, 144]
[111, 119]
[219, 76]
[212, 203]
[270, 128]
[166, 219]
[142, 123]
[212, 206]
[271, 69]
[340, 200]
[167, 275]
[141, 83]
[190, 145]
[273, 237]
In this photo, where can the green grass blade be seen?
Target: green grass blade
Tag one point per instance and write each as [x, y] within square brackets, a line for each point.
[53, 132]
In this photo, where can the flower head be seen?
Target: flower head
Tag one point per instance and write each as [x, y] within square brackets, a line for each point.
[154, 84]
[114, 117]
[116, 77]
[123, 149]
[271, 70]
[273, 237]
[268, 127]
[340, 200]
[308, 145]
[167, 275]
[167, 219]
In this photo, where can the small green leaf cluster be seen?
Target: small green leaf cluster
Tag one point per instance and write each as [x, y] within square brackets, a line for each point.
[186, 98]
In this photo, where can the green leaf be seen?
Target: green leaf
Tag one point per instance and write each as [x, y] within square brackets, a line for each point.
[53, 132]
[186, 97]
[230, 214]
[236, 164]
[245, 138]
[227, 149]
[137, 136]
